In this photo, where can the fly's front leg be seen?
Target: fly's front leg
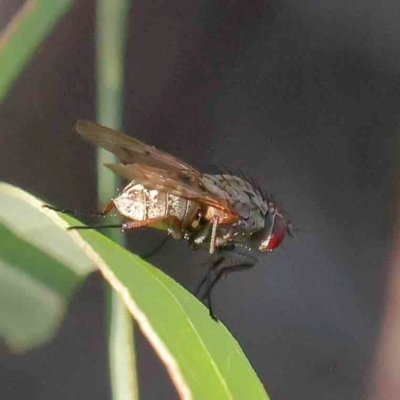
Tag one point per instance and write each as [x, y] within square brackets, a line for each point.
[213, 241]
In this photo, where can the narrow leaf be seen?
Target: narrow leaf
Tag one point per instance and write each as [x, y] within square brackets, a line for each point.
[202, 358]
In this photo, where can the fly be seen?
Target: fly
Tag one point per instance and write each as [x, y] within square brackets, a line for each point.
[223, 212]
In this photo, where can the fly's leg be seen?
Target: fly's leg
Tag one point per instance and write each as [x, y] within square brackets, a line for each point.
[139, 224]
[218, 267]
[102, 213]
[174, 227]
[212, 264]
[207, 276]
[207, 280]
[209, 300]
[224, 271]
[156, 249]
[83, 227]
[124, 226]
[199, 237]
[208, 231]
[214, 234]
[109, 206]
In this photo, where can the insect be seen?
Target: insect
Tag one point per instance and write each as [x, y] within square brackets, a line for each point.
[224, 212]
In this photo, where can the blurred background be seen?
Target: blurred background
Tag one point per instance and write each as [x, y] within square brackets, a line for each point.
[301, 95]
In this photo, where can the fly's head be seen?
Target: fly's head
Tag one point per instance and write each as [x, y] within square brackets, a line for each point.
[275, 229]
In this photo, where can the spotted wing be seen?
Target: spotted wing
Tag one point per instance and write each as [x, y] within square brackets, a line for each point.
[130, 150]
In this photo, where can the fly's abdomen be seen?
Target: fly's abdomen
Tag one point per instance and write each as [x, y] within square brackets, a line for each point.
[139, 203]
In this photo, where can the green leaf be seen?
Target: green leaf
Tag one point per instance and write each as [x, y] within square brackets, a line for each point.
[28, 27]
[40, 267]
[202, 358]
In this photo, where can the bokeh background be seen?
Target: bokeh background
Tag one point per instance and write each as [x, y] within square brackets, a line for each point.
[303, 96]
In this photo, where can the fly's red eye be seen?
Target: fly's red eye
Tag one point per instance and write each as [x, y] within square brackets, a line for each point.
[276, 239]
[277, 231]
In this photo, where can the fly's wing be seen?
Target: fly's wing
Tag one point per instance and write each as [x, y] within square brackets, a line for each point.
[130, 150]
[152, 168]
[172, 182]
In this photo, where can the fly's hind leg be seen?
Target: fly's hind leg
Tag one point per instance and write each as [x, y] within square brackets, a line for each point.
[102, 213]
[156, 249]
[172, 224]
[140, 224]
[174, 229]
[124, 226]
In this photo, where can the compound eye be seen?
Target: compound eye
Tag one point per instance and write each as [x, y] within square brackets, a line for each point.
[276, 234]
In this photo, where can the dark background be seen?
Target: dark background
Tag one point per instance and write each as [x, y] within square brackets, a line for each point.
[301, 95]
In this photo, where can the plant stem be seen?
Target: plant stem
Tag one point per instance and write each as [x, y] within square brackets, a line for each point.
[110, 46]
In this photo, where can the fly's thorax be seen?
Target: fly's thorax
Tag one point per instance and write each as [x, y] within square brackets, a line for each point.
[235, 190]
[139, 203]
[244, 199]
